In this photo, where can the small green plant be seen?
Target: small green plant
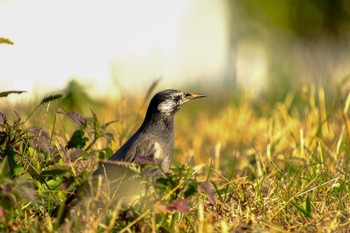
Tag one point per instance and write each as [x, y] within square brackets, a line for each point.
[35, 173]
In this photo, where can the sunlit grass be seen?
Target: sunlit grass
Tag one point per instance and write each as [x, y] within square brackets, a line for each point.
[241, 165]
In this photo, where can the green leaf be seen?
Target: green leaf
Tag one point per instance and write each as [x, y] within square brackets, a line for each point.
[4, 168]
[302, 210]
[164, 181]
[192, 189]
[54, 172]
[108, 152]
[77, 140]
[53, 184]
[308, 205]
[11, 161]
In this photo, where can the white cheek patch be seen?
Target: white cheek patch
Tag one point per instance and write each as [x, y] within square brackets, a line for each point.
[167, 106]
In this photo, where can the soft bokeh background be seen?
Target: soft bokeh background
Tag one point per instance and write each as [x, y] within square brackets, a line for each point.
[113, 47]
[272, 135]
[247, 56]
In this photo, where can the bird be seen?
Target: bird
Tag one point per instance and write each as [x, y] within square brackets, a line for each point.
[155, 137]
[154, 140]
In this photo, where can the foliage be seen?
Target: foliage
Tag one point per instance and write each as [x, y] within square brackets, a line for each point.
[251, 166]
[5, 41]
[319, 17]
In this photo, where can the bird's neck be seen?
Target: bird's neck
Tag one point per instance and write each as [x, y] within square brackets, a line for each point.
[157, 123]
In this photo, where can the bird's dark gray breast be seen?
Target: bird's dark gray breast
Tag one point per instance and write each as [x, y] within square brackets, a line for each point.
[153, 146]
[122, 181]
[150, 145]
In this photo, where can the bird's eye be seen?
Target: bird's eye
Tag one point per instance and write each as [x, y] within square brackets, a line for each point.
[177, 98]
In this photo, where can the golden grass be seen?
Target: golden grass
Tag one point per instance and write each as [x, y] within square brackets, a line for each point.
[276, 168]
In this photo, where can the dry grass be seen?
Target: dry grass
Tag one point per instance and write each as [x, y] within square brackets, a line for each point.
[274, 168]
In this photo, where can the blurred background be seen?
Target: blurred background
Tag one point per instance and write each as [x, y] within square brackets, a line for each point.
[265, 48]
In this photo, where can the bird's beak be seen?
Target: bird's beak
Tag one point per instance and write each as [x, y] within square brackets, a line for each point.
[191, 96]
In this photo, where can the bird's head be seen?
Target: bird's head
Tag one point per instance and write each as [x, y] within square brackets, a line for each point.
[170, 101]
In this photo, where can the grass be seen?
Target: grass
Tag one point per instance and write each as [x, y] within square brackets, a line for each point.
[247, 165]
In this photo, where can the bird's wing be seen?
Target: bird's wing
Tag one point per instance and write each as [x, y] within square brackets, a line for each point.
[144, 146]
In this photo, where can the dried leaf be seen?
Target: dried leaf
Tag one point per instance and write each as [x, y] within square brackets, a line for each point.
[76, 153]
[41, 139]
[26, 189]
[37, 131]
[164, 208]
[109, 123]
[3, 119]
[208, 188]
[19, 118]
[6, 93]
[62, 149]
[143, 160]
[153, 86]
[181, 205]
[77, 118]
[6, 41]
[65, 184]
